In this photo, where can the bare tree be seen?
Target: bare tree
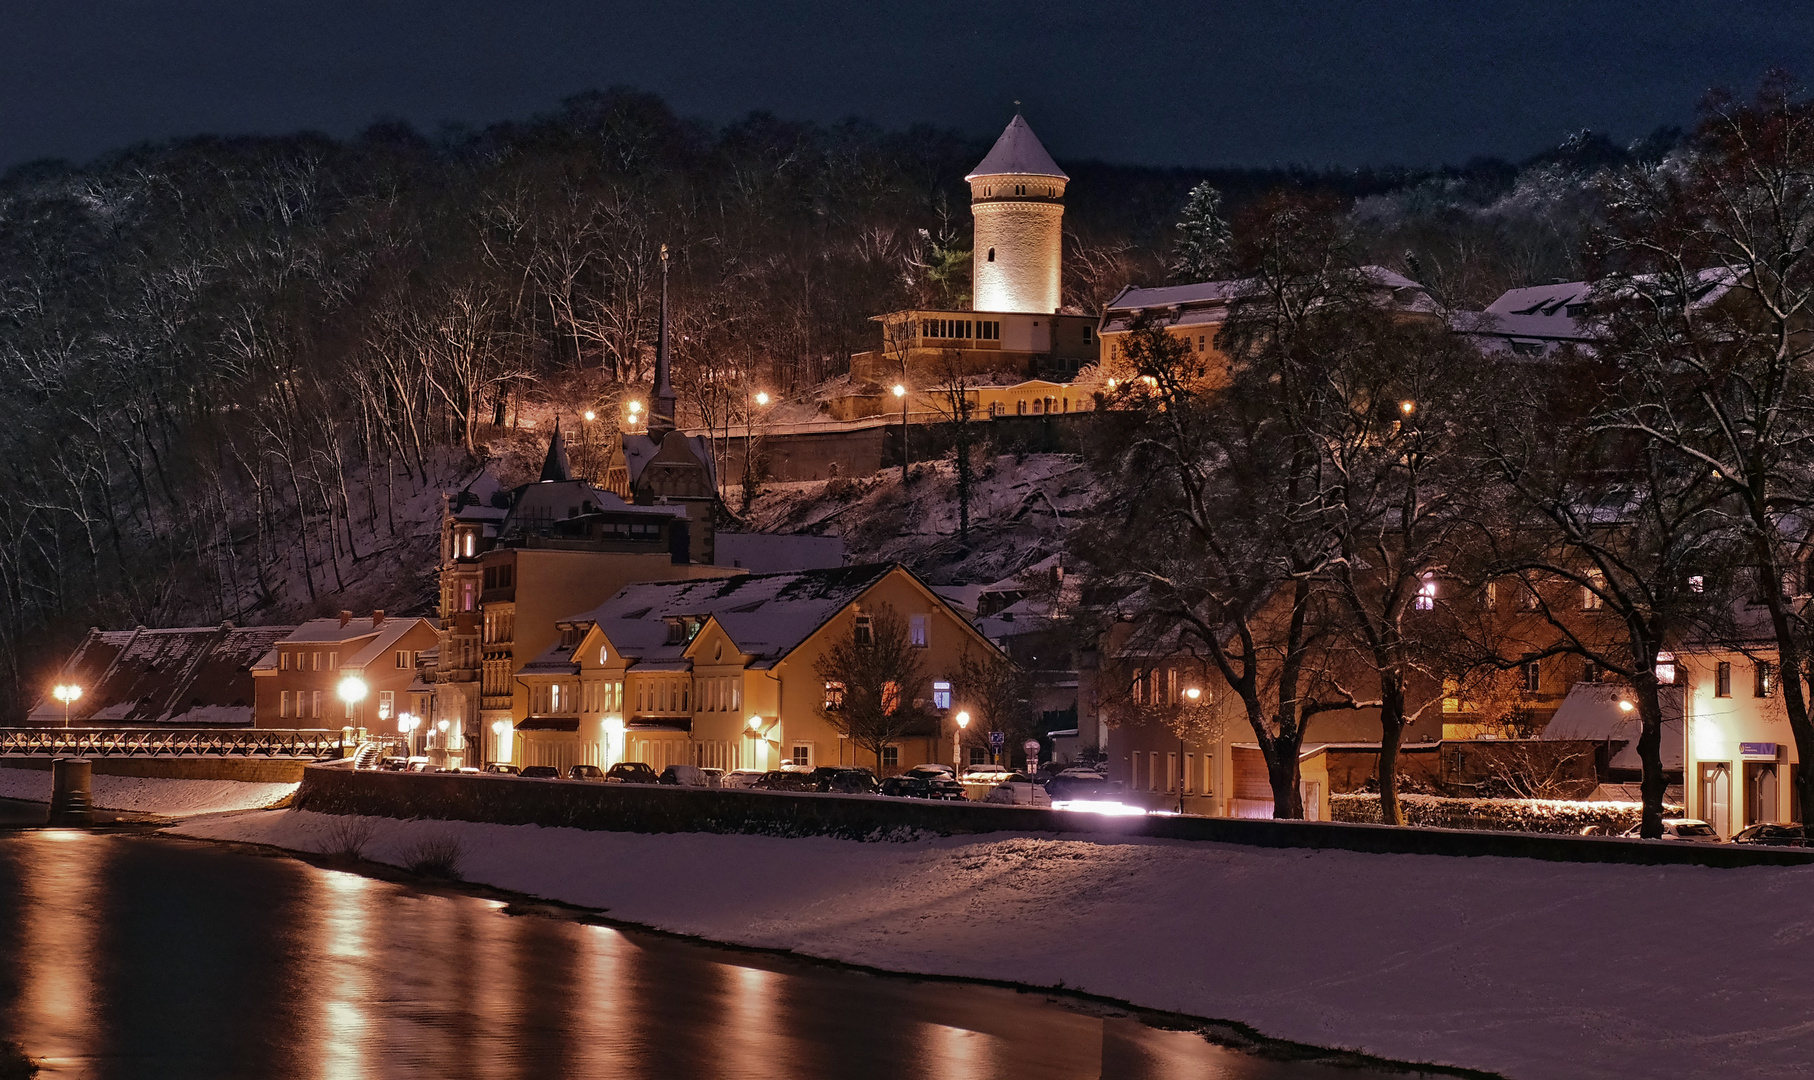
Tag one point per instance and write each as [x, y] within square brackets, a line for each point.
[872, 678]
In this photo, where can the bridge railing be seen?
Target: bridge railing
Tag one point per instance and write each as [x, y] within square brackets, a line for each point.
[315, 744]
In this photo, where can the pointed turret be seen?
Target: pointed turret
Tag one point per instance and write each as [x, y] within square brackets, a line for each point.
[661, 409]
[555, 466]
[1017, 199]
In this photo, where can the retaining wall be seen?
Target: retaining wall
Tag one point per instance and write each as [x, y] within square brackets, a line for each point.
[249, 769]
[508, 800]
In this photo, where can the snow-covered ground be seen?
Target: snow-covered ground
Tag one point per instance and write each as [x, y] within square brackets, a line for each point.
[152, 795]
[1531, 969]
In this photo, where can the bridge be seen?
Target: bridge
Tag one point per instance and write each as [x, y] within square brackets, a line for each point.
[309, 744]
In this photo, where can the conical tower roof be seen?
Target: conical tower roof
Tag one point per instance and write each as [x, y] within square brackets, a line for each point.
[1017, 153]
[555, 466]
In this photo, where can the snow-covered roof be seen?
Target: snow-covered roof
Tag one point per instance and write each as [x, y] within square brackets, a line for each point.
[1206, 302]
[1018, 152]
[185, 675]
[1542, 300]
[640, 450]
[1591, 712]
[766, 615]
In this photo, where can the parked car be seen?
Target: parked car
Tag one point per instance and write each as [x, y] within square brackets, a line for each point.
[1772, 834]
[985, 774]
[741, 778]
[909, 786]
[932, 770]
[419, 764]
[1018, 790]
[689, 776]
[539, 772]
[1069, 786]
[501, 769]
[848, 780]
[394, 764]
[586, 772]
[632, 772]
[1686, 830]
[786, 780]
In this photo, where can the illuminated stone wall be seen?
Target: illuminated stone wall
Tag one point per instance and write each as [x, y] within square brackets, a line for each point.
[1027, 239]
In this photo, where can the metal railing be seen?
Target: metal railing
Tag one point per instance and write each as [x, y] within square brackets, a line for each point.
[175, 742]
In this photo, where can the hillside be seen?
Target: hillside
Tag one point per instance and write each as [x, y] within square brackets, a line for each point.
[1020, 512]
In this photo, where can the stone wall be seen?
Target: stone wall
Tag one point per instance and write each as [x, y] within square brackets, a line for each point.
[642, 808]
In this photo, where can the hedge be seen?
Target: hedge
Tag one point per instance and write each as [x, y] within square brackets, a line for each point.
[1505, 815]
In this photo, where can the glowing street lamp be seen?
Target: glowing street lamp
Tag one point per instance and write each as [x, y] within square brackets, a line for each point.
[957, 738]
[352, 690]
[1191, 694]
[762, 397]
[900, 391]
[590, 416]
[1407, 407]
[67, 693]
[407, 723]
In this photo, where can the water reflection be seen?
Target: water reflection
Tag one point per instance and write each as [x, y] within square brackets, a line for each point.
[133, 956]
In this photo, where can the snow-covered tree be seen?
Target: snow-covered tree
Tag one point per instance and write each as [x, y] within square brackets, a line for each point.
[1204, 245]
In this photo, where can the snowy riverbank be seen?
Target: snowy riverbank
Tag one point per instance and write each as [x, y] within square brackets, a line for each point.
[152, 795]
[1531, 969]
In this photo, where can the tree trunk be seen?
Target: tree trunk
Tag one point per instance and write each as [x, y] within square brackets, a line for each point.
[1650, 751]
[1282, 771]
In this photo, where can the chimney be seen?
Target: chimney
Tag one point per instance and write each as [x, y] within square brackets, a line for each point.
[345, 617]
[377, 618]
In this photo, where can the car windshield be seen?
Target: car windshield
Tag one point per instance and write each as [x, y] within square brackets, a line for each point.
[1695, 830]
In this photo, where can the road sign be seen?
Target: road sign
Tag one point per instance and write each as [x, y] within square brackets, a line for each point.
[997, 739]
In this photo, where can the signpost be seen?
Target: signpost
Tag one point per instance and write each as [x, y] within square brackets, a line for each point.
[996, 741]
[1031, 746]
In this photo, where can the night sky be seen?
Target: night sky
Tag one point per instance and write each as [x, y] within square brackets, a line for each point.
[1327, 82]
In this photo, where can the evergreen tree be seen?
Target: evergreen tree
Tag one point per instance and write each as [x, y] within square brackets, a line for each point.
[1204, 243]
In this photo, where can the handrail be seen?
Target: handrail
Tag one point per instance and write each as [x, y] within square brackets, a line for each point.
[314, 744]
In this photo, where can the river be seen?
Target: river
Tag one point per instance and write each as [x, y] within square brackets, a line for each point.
[135, 956]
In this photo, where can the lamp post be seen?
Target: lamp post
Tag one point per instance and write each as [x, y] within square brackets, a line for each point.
[957, 740]
[900, 391]
[754, 732]
[67, 693]
[749, 434]
[635, 413]
[1191, 694]
[352, 690]
[499, 729]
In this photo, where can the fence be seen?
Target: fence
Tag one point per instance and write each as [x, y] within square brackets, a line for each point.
[313, 744]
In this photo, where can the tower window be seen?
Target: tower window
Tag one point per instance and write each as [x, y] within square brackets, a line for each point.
[991, 254]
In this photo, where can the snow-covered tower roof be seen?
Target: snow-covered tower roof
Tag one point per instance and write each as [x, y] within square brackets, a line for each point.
[555, 465]
[1018, 152]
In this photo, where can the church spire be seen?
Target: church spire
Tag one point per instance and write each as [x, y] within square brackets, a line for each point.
[555, 466]
[661, 412]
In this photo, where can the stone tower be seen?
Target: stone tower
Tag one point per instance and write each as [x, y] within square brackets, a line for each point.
[1017, 199]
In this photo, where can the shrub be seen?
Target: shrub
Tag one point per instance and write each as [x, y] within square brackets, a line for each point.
[436, 857]
[348, 837]
[1502, 815]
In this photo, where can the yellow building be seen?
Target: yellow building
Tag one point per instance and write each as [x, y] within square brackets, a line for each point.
[723, 674]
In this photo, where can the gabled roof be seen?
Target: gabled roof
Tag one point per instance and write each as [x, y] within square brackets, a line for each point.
[367, 643]
[640, 450]
[766, 615]
[186, 675]
[1018, 152]
[1206, 301]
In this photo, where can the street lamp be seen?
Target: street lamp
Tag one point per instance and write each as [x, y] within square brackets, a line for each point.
[1191, 694]
[352, 690]
[66, 693]
[900, 391]
[957, 738]
[407, 724]
[762, 397]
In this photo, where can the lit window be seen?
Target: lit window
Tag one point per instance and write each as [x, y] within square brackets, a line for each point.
[1489, 596]
[834, 696]
[918, 626]
[1533, 677]
[387, 701]
[1593, 593]
[1451, 694]
[891, 696]
[941, 695]
[1426, 595]
[1666, 668]
[1765, 685]
[283, 661]
[1697, 584]
[554, 698]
